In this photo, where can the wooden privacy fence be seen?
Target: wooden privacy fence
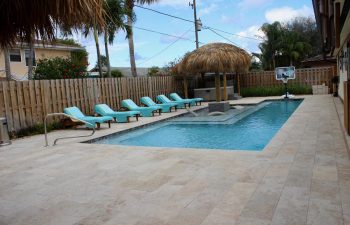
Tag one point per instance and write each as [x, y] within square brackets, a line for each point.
[26, 103]
[310, 76]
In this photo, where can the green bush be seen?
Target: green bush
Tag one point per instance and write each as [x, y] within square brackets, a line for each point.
[275, 91]
[153, 71]
[59, 68]
[36, 129]
[117, 73]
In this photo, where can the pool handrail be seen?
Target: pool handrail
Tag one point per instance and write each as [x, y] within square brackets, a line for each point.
[71, 117]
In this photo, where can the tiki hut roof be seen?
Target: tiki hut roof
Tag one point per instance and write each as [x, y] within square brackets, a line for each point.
[20, 20]
[216, 58]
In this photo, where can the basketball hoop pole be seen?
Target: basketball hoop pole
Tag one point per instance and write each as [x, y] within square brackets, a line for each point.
[285, 81]
[285, 88]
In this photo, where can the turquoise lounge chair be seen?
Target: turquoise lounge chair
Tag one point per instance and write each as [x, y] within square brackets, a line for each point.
[194, 101]
[121, 117]
[75, 112]
[165, 99]
[145, 111]
[165, 107]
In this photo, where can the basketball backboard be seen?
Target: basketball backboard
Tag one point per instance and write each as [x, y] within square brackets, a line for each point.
[285, 73]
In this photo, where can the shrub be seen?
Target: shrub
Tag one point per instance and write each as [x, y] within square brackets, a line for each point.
[153, 71]
[36, 129]
[59, 68]
[117, 73]
[275, 90]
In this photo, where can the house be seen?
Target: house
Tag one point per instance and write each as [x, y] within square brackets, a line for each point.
[333, 21]
[126, 71]
[20, 52]
[319, 61]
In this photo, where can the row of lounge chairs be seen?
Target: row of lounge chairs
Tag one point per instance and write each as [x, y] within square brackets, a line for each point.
[106, 114]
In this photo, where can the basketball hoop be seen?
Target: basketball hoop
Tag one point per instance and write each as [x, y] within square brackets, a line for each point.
[284, 74]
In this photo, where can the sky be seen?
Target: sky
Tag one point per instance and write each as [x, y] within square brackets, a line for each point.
[238, 17]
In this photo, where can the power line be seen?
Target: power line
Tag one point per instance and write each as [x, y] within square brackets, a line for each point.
[238, 35]
[170, 35]
[165, 14]
[191, 21]
[225, 38]
[166, 48]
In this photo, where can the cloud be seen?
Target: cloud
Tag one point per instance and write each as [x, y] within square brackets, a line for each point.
[285, 14]
[139, 57]
[246, 4]
[250, 44]
[252, 31]
[230, 19]
[174, 3]
[208, 9]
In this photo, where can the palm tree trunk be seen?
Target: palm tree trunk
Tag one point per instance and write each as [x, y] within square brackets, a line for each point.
[7, 64]
[109, 73]
[131, 48]
[98, 51]
[30, 60]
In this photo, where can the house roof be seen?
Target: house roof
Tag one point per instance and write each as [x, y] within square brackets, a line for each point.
[38, 44]
[320, 58]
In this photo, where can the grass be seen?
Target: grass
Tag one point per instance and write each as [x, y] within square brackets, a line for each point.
[275, 91]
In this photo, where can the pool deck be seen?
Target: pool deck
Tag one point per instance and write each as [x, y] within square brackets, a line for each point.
[301, 177]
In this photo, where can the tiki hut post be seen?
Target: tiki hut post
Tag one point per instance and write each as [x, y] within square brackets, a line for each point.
[238, 85]
[225, 86]
[218, 87]
[185, 87]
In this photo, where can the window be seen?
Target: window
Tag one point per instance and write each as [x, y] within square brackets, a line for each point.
[15, 55]
[26, 55]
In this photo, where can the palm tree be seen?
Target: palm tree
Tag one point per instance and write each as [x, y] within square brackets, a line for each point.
[115, 20]
[96, 31]
[130, 6]
[7, 64]
[30, 60]
[271, 46]
[294, 47]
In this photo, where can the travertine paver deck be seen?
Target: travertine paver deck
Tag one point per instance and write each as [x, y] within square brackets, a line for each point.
[302, 177]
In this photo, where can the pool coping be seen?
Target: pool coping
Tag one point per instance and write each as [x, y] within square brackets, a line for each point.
[94, 140]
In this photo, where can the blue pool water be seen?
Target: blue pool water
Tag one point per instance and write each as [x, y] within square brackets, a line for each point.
[251, 132]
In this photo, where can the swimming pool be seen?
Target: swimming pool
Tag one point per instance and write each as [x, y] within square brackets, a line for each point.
[250, 130]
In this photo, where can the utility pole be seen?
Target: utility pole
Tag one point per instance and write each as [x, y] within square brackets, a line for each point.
[197, 22]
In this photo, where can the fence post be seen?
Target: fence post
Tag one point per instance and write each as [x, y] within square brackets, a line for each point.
[150, 89]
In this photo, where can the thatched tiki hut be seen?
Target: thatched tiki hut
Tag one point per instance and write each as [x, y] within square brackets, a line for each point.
[23, 20]
[218, 58]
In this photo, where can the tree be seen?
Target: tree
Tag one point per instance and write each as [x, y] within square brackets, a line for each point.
[115, 20]
[30, 60]
[293, 47]
[7, 64]
[95, 31]
[307, 30]
[270, 48]
[289, 43]
[130, 7]
[103, 62]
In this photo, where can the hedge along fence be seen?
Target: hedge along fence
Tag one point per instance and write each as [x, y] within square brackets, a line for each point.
[308, 77]
[25, 104]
